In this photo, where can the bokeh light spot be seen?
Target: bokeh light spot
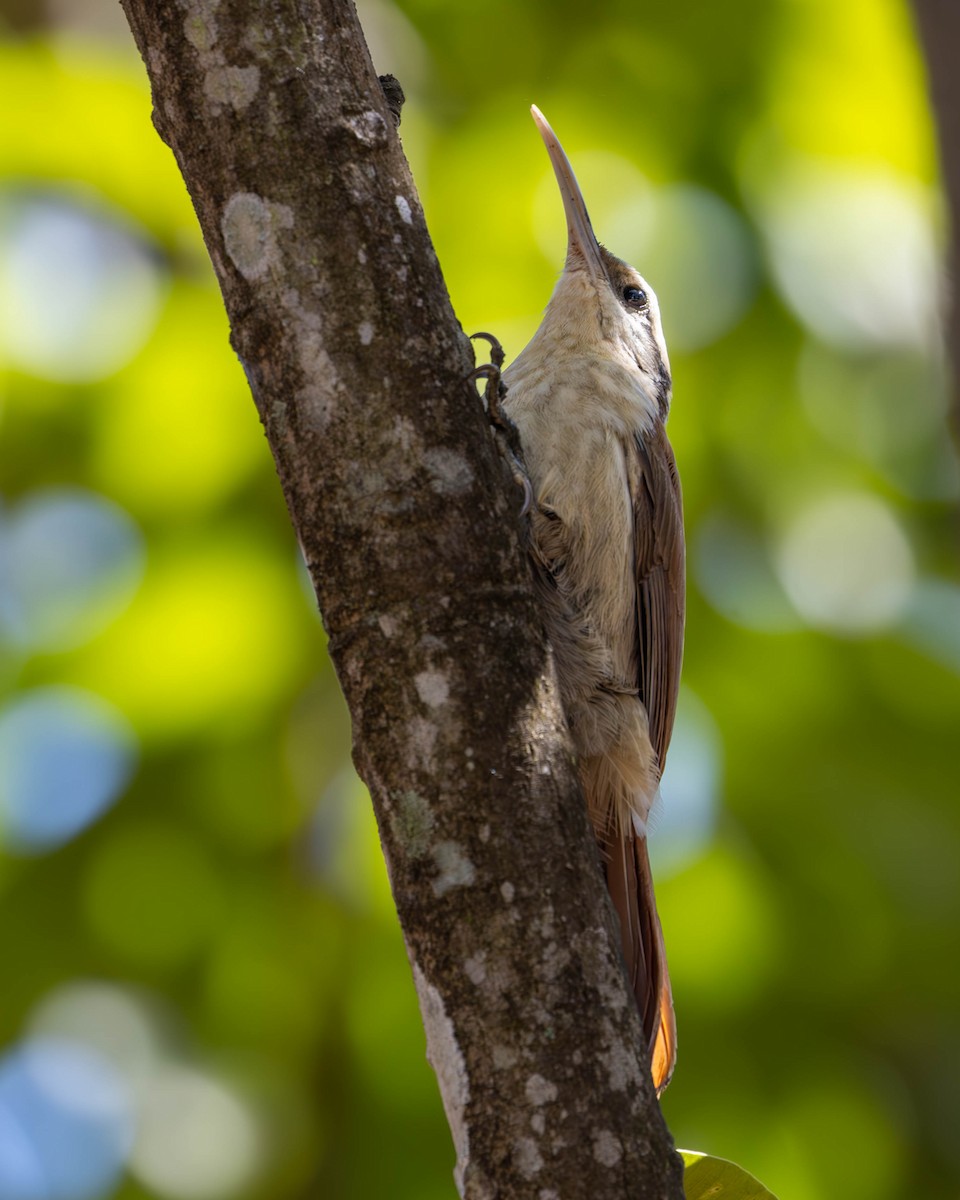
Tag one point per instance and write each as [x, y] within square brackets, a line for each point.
[846, 564]
[683, 824]
[888, 408]
[932, 621]
[733, 569]
[65, 757]
[197, 1139]
[78, 294]
[69, 563]
[191, 1134]
[109, 1020]
[65, 1122]
[855, 256]
[152, 895]
[874, 403]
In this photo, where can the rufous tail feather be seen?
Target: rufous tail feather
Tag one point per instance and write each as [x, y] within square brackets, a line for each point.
[630, 884]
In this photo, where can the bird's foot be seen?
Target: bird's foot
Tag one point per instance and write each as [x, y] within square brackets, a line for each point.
[496, 389]
[506, 433]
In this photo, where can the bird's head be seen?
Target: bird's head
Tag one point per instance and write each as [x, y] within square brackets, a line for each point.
[601, 305]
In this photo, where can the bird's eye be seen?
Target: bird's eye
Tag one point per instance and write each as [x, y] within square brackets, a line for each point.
[635, 297]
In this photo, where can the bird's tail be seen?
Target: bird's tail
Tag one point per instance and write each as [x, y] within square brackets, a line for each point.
[630, 884]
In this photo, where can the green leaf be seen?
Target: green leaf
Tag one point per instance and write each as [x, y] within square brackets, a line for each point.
[708, 1178]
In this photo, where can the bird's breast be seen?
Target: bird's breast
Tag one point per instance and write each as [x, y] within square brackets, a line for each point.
[574, 450]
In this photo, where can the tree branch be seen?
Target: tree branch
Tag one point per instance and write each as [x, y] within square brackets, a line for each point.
[409, 523]
[939, 25]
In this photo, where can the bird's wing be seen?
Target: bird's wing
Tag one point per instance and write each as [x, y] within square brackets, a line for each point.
[659, 569]
[659, 564]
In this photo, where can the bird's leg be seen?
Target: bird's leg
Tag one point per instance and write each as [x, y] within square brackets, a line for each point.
[506, 433]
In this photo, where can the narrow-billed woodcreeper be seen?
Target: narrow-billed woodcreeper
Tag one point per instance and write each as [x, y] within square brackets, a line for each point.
[589, 396]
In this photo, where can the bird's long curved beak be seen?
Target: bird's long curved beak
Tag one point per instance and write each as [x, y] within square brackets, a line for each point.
[583, 250]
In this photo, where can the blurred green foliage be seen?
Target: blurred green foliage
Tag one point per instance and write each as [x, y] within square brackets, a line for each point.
[194, 913]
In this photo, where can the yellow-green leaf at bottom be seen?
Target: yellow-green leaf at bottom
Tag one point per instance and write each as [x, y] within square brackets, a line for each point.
[707, 1178]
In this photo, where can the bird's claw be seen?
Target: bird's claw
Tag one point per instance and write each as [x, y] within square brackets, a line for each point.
[507, 433]
[522, 479]
[496, 350]
[495, 390]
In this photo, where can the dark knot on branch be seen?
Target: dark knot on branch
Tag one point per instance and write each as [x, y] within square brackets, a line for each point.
[393, 94]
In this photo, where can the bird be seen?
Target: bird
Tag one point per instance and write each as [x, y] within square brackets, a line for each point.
[589, 397]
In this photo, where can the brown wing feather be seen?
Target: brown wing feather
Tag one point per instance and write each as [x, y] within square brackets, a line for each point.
[659, 566]
[659, 559]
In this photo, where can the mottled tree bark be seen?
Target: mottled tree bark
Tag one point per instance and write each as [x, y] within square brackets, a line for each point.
[410, 524]
[939, 24]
